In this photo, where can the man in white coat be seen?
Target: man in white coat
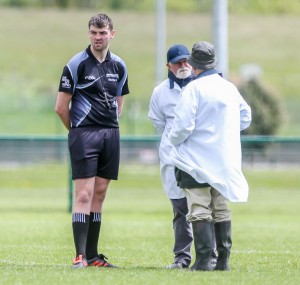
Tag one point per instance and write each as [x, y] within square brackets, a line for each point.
[207, 155]
[163, 100]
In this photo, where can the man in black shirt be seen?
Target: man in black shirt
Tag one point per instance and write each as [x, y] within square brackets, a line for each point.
[89, 103]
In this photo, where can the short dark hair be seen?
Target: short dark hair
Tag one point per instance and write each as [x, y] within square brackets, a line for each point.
[101, 21]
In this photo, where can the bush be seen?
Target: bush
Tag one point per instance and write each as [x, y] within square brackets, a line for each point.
[267, 111]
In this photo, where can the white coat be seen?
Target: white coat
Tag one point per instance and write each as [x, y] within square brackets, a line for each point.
[206, 134]
[161, 112]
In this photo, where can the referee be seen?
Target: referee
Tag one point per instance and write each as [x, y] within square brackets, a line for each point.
[89, 102]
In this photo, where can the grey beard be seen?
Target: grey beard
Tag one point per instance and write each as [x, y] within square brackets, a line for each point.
[183, 73]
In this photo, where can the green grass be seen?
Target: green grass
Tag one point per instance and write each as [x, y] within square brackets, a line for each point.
[33, 54]
[36, 242]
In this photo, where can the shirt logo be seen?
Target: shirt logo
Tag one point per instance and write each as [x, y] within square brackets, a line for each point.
[90, 77]
[112, 77]
[65, 82]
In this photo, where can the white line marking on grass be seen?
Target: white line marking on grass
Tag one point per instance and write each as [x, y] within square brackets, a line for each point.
[11, 262]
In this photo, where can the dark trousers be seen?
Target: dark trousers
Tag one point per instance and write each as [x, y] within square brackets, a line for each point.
[182, 232]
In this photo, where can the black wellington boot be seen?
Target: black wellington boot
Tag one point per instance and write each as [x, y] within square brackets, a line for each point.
[224, 243]
[214, 254]
[204, 245]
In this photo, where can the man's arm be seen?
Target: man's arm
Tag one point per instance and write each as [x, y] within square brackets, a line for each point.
[62, 108]
[155, 113]
[120, 102]
[245, 115]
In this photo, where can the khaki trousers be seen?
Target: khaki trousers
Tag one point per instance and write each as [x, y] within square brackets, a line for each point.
[206, 204]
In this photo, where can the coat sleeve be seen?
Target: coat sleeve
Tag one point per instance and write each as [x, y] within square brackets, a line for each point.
[155, 114]
[245, 114]
[184, 117]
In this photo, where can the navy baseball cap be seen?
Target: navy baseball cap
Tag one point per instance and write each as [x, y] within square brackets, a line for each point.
[177, 52]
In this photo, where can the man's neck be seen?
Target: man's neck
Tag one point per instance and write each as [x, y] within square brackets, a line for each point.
[99, 55]
[198, 71]
[181, 82]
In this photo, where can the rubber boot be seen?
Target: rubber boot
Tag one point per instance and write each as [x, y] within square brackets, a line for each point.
[224, 243]
[203, 241]
[214, 254]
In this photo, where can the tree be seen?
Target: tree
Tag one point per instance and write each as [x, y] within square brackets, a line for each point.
[267, 111]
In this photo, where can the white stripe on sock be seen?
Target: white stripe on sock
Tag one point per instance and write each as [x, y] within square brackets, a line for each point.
[78, 217]
[96, 217]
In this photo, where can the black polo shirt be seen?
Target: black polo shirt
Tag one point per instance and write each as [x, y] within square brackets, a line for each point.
[94, 87]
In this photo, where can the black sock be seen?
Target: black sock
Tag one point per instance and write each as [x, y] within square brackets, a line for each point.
[80, 224]
[93, 235]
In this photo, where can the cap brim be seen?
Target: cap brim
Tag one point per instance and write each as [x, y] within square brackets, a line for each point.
[178, 58]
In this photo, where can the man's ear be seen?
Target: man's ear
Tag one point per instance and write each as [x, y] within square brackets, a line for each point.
[112, 34]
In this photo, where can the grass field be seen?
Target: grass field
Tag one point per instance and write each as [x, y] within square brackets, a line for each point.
[33, 54]
[36, 245]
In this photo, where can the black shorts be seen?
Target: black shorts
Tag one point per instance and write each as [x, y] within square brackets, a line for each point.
[94, 151]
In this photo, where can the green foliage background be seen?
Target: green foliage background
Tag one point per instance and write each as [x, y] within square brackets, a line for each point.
[266, 109]
[36, 43]
[204, 6]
